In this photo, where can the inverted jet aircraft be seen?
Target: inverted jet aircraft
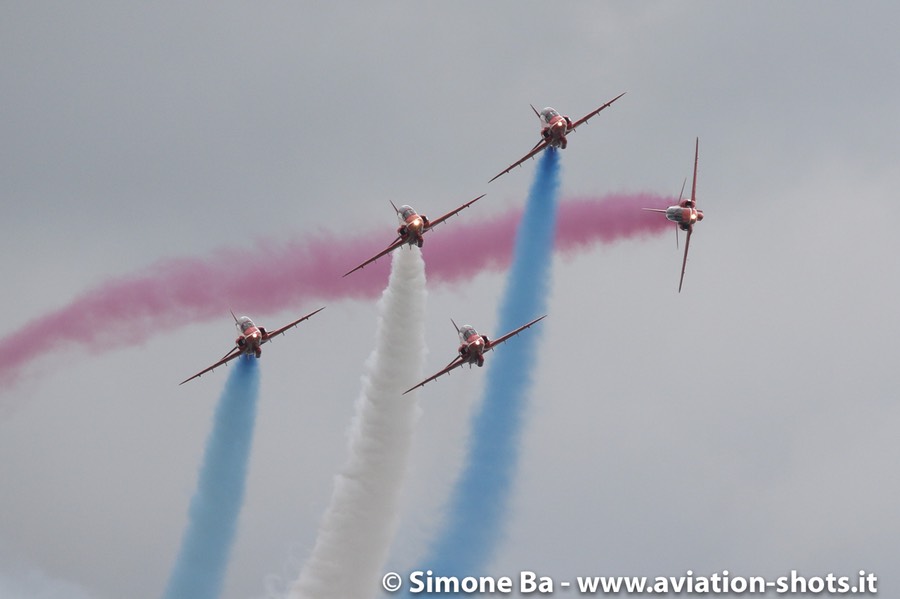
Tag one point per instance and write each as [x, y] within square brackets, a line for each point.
[249, 340]
[554, 128]
[685, 214]
[472, 347]
[413, 227]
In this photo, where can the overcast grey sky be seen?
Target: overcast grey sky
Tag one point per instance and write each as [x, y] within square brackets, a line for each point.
[748, 423]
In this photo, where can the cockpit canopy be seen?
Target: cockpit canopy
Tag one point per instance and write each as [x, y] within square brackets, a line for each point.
[467, 332]
[406, 211]
[244, 323]
[548, 114]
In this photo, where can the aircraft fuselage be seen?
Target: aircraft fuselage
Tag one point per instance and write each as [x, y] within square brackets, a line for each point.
[250, 339]
[472, 346]
[684, 215]
[556, 126]
[412, 225]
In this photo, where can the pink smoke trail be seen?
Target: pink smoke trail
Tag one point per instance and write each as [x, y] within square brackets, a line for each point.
[272, 276]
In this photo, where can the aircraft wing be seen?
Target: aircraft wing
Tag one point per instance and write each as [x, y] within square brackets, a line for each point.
[537, 149]
[496, 342]
[234, 353]
[284, 329]
[687, 244]
[694, 184]
[591, 115]
[394, 245]
[433, 223]
[454, 364]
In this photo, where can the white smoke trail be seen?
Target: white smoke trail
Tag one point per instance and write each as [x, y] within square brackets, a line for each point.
[360, 522]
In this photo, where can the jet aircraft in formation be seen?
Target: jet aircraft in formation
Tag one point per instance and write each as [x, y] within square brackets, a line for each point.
[471, 348]
[249, 340]
[412, 229]
[413, 226]
[685, 214]
[554, 128]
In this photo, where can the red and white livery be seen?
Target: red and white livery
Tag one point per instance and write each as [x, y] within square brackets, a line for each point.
[249, 340]
[472, 347]
[554, 128]
[686, 214]
[412, 229]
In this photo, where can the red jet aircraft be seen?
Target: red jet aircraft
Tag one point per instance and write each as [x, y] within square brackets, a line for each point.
[472, 347]
[412, 227]
[249, 341]
[685, 214]
[554, 128]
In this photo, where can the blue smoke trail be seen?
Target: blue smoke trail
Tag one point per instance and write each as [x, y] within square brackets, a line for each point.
[476, 516]
[200, 568]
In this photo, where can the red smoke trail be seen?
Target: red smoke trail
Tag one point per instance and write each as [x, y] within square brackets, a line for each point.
[274, 276]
